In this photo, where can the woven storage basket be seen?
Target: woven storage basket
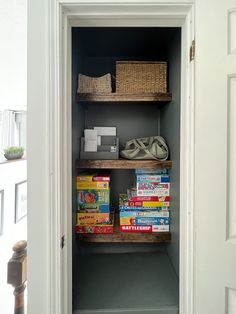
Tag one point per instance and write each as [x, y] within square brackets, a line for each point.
[88, 84]
[141, 77]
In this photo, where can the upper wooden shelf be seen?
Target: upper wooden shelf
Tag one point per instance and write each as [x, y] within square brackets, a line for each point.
[123, 164]
[115, 97]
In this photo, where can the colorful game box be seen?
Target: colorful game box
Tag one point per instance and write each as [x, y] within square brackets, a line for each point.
[126, 204]
[149, 199]
[144, 221]
[153, 178]
[145, 213]
[85, 177]
[83, 185]
[147, 229]
[95, 197]
[140, 208]
[92, 218]
[147, 204]
[151, 171]
[94, 208]
[153, 189]
[99, 228]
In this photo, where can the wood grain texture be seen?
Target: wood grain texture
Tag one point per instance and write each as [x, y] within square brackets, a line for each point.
[123, 164]
[120, 97]
[17, 274]
[118, 237]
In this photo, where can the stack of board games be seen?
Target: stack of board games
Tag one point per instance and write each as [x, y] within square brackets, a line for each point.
[93, 204]
[146, 208]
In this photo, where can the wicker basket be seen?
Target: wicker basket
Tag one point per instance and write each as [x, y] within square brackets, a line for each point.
[141, 77]
[100, 85]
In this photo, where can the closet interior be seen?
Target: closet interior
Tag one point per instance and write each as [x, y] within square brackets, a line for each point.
[126, 272]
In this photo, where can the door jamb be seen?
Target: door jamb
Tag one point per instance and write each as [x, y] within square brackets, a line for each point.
[61, 18]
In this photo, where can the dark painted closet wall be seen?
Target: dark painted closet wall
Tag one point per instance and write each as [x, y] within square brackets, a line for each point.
[94, 52]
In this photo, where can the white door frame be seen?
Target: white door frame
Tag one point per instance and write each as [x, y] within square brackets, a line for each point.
[62, 16]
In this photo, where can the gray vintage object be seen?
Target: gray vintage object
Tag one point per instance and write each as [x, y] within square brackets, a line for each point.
[109, 149]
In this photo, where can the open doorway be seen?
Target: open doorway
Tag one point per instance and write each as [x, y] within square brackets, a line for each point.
[128, 274]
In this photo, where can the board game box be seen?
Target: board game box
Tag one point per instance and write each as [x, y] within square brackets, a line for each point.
[92, 218]
[83, 185]
[151, 171]
[98, 228]
[147, 204]
[93, 197]
[84, 177]
[145, 213]
[152, 178]
[94, 208]
[149, 199]
[137, 208]
[144, 221]
[153, 189]
[147, 229]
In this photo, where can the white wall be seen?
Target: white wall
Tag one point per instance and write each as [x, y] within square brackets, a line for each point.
[13, 54]
[13, 81]
[10, 174]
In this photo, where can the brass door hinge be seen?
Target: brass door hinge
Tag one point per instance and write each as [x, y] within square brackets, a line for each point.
[192, 51]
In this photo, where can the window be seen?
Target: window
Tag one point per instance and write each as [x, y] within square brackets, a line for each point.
[12, 129]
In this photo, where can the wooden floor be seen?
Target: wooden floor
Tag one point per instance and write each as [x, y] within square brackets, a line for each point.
[125, 283]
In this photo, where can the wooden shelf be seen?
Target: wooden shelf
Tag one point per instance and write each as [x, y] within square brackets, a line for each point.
[115, 97]
[118, 237]
[123, 164]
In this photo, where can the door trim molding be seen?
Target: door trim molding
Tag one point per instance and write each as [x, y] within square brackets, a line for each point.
[62, 16]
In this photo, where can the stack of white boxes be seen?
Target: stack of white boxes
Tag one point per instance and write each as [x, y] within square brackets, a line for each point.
[90, 140]
[104, 131]
[100, 143]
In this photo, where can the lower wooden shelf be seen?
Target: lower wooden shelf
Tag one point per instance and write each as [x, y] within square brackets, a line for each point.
[123, 164]
[117, 236]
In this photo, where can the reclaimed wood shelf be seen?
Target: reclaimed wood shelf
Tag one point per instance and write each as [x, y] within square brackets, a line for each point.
[118, 237]
[118, 97]
[123, 164]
